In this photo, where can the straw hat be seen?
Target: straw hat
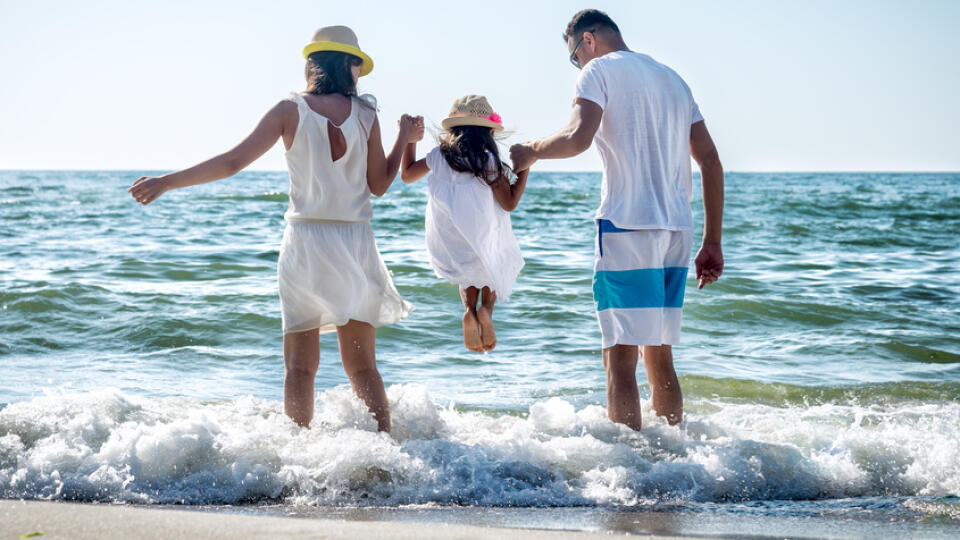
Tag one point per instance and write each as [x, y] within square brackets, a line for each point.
[472, 111]
[338, 38]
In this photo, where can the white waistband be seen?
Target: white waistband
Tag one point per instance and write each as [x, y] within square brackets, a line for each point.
[322, 221]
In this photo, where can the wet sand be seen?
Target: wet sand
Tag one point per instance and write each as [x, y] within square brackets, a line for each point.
[104, 521]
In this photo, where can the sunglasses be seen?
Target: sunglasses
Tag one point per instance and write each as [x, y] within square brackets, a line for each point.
[573, 55]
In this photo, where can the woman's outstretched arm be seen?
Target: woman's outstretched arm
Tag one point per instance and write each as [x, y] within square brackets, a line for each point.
[280, 121]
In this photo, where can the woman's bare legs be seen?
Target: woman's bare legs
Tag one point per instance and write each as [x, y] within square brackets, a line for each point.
[485, 318]
[623, 397]
[358, 354]
[301, 356]
[471, 327]
[664, 386]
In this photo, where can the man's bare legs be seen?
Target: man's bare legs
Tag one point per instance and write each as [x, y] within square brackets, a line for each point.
[664, 386]
[301, 356]
[623, 397]
[358, 354]
[485, 318]
[471, 326]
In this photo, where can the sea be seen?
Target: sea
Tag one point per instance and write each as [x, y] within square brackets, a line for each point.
[141, 363]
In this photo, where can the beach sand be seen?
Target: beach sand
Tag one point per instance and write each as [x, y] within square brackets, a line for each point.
[18, 519]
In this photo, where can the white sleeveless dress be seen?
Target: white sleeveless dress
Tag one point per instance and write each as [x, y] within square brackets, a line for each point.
[469, 235]
[330, 270]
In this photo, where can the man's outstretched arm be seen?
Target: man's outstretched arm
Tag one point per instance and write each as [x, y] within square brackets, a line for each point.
[574, 139]
[709, 260]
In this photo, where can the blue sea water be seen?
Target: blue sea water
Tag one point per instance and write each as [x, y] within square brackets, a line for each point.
[140, 357]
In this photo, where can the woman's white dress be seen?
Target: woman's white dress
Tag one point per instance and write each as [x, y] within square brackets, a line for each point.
[329, 270]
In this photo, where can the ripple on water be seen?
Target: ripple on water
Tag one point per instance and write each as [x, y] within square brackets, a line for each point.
[829, 277]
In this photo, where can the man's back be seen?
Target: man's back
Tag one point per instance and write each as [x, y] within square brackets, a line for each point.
[643, 138]
[647, 127]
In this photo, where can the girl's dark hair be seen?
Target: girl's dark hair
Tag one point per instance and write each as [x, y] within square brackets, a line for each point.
[328, 72]
[465, 149]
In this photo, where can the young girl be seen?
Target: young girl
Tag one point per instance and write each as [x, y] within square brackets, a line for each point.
[331, 276]
[469, 237]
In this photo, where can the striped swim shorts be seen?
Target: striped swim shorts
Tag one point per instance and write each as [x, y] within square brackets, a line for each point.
[638, 283]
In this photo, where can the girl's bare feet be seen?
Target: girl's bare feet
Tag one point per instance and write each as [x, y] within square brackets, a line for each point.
[471, 332]
[487, 335]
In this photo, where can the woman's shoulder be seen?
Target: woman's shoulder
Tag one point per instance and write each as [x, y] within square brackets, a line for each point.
[285, 109]
[365, 106]
[367, 100]
[295, 98]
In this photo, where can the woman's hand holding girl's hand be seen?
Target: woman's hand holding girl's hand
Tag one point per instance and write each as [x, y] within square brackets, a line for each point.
[411, 128]
[148, 188]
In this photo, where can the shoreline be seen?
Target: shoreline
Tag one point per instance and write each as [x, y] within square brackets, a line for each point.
[54, 519]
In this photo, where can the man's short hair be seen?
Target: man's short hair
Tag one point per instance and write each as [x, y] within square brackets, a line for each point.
[588, 19]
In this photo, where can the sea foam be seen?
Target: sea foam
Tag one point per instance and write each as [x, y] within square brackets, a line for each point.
[108, 446]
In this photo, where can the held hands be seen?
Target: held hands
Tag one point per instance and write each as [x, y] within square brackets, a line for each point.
[523, 156]
[709, 263]
[148, 188]
[411, 128]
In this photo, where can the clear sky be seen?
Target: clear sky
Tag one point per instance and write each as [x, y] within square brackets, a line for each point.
[784, 86]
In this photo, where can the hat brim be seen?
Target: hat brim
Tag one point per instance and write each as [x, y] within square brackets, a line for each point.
[317, 46]
[454, 121]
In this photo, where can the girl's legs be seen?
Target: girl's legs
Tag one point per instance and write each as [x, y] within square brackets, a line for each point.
[357, 353]
[301, 356]
[485, 318]
[471, 327]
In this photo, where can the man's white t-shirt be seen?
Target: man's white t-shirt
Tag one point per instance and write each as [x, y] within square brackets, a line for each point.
[643, 139]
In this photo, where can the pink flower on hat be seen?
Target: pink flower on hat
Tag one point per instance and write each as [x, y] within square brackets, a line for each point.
[495, 118]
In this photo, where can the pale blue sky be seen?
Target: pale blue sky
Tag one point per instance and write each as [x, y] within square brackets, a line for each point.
[784, 86]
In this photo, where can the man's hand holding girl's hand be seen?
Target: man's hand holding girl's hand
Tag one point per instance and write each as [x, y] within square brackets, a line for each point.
[522, 156]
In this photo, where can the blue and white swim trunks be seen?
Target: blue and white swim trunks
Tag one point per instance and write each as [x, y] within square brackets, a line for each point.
[638, 283]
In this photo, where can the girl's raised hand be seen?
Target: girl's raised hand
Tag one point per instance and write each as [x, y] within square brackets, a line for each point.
[147, 188]
[411, 128]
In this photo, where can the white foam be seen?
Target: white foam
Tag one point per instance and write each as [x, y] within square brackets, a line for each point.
[107, 446]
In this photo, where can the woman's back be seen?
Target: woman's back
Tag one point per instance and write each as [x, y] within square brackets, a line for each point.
[328, 164]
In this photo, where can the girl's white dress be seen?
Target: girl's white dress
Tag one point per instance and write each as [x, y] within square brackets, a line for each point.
[469, 236]
[329, 269]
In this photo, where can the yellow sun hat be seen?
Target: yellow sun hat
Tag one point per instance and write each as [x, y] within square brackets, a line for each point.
[338, 38]
[472, 110]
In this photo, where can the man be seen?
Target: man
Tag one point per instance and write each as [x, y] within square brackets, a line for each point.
[646, 125]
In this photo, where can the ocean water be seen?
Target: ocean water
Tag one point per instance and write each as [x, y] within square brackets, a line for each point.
[140, 361]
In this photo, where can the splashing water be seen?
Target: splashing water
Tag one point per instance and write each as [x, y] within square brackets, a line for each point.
[107, 446]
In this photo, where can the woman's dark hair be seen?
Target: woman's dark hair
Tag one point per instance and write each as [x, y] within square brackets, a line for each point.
[465, 149]
[328, 72]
